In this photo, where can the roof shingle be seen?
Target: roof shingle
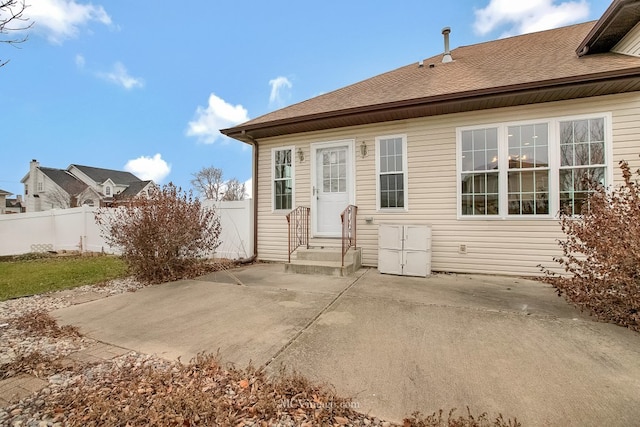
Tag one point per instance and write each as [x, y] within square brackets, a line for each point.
[100, 175]
[65, 180]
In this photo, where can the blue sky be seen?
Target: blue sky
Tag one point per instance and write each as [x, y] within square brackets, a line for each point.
[144, 85]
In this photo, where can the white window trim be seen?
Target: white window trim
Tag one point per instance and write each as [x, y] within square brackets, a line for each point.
[405, 171]
[554, 164]
[273, 179]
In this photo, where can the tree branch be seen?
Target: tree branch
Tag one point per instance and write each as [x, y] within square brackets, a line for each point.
[12, 12]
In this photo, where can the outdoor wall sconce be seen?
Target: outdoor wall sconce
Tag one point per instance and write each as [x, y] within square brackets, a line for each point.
[300, 155]
[363, 149]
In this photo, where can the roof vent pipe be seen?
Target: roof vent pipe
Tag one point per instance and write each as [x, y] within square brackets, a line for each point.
[447, 52]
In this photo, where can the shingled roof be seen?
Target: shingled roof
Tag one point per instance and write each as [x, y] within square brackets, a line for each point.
[530, 68]
[100, 175]
[133, 189]
[65, 180]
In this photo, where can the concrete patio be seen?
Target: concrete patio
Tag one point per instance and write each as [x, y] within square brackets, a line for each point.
[393, 344]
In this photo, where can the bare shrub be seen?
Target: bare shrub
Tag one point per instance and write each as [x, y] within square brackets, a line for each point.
[165, 236]
[601, 254]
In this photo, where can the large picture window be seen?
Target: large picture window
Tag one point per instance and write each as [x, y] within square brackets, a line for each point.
[283, 178]
[391, 165]
[531, 169]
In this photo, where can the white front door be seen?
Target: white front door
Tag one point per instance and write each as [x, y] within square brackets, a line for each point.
[332, 186]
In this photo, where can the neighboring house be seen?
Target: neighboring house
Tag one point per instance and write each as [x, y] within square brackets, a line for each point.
[3, 201]
[485, 144]
[50, 188]
[14, 205]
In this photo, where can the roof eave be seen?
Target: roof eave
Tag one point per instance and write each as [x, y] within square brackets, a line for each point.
[610, 25]
[247, 133]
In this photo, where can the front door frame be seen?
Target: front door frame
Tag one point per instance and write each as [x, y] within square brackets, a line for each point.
[351, 174]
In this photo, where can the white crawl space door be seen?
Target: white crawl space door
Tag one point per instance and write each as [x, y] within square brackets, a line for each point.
[404, 249]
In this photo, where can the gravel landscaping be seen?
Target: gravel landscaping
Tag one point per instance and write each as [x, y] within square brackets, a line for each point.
[41, 353]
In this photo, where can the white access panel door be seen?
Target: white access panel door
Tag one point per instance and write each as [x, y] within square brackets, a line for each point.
[390, 261]
[416, 264]
[417, 238]
[390, 248]
[390, 236]
[417, 250]
[404, 249]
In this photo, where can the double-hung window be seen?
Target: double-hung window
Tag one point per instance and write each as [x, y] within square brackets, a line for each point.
[582, 160]
[391, 165]
[479, 178]
[528, 174]
[537, 168]
[283, 178]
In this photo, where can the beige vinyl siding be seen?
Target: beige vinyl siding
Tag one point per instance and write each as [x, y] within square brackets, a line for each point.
[630, 43]
[505, 246]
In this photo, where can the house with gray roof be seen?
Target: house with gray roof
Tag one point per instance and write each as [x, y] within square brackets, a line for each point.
[14, 205]
[50, 188]
[3, 202]
[484, 144]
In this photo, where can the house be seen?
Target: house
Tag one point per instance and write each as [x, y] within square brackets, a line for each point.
[14, 205]
[3, 202]
[484, 143]
[49, 188]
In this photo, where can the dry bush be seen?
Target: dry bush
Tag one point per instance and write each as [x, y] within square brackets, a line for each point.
[165, 236]
[438, 420]
[601, 254]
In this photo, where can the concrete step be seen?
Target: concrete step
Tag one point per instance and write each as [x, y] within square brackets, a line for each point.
[324, 268]
[325, 254]
[325, 261]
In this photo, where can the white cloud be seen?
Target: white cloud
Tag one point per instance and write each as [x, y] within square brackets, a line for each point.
[520, 17]
[219, 114]
[80, 61]
[154, 168]
[62, 19]
[120, 76]
[280, 91]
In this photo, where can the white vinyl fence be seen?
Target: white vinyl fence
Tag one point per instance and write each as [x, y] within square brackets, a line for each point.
[236, 220]
[75, 230]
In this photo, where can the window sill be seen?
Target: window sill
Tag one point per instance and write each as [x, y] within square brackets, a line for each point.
[507, 218]
[391, 210]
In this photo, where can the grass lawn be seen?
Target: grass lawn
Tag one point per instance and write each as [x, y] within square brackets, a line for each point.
[20, 276]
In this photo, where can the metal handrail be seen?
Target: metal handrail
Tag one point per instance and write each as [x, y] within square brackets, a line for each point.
[349, 232]
[298, 228]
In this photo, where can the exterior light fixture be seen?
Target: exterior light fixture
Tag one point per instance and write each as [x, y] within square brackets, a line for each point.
[363, 149]
[300, 155]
